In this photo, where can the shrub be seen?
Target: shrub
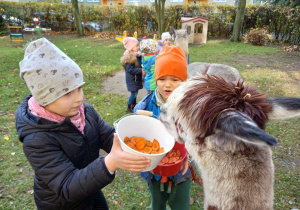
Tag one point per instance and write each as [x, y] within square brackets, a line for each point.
[3, 27]
[257, 36]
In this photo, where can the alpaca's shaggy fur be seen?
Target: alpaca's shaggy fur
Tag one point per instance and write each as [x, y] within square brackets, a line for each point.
[182, 40]
[222, 125]
[226, 72]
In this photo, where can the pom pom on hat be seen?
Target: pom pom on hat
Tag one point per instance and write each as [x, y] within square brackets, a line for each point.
[165, 35]
[171, 61]
[148, 46]
[48, 72]
[129, 43]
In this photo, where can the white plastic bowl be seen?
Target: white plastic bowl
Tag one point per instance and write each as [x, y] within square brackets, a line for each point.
[148, 128]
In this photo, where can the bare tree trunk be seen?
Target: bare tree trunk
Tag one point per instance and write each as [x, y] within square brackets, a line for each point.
[160, 9]
[238, 23]
[76, 14]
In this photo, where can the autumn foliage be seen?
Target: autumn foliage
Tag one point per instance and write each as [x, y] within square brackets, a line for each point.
[283, 22]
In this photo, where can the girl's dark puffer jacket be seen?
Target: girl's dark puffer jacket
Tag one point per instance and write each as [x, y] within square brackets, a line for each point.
[133, 72]
[69, 173]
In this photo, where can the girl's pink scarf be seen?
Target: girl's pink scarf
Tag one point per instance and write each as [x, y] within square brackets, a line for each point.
[78, 120]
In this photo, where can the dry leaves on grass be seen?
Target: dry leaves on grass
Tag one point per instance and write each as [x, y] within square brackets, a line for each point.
[105, 34]
[292, 48]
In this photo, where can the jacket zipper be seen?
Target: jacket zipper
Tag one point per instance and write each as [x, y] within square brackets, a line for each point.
[83, 135]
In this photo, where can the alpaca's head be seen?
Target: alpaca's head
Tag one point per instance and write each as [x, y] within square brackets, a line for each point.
[181, 36]
[181, 33]
[210, 106]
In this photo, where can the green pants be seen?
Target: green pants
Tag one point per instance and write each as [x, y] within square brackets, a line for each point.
[178, 198]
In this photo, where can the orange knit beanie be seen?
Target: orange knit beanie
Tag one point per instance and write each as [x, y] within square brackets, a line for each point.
[171, 62]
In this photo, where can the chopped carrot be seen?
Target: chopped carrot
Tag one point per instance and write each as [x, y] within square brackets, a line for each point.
[149, 143]
[161, 150]
[126, 139]
[165, 159]
[140, 139]
[148, 150]
[169, 154]
[140, 144]
[130, 144]
[133, 139]
[155, 145]
[178, 153]
[172, 159]
[145, 146]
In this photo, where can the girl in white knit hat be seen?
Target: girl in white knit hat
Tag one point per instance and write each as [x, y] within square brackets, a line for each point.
[62, 136]
[165, 41]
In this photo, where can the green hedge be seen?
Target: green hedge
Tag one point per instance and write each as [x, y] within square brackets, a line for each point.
[282, 22]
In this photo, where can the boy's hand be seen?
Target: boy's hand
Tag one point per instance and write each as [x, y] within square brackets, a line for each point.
[144, 72]
[117, 158]
[185, 165]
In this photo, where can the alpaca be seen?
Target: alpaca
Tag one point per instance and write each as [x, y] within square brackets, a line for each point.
[227, 72]
[182, 40]
[222, 125]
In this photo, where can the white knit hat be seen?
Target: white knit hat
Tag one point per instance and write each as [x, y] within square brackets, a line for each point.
[48, 72]
[165, 35]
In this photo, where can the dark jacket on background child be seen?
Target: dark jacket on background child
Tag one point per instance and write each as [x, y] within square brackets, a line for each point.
[133, 72]
[55, 150]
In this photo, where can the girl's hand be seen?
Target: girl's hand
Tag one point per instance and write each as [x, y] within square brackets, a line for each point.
[144, 72]
[117, 158]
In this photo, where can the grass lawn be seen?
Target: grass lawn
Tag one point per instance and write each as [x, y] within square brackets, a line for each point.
[270, 69]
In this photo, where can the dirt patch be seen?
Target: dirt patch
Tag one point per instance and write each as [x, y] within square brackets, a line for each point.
[284, 62]
[117, 84]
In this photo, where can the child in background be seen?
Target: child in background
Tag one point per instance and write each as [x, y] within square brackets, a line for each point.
[62, 136]
[149, 52]
[131, 61]
[165, 41]
[170, 72]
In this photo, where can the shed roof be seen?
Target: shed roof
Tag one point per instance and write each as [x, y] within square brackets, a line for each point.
[194, 19]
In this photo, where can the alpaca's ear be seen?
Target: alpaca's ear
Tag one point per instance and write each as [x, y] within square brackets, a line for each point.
[173, 31]
[186, 29]
[284, 107]
[235, 124]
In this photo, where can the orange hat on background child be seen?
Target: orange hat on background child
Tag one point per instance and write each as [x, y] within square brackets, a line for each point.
[171, 61]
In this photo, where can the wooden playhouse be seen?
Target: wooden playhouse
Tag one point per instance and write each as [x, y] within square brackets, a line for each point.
[197, 28]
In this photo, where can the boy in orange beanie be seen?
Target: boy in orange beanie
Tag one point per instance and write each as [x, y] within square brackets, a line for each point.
[170, 72]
